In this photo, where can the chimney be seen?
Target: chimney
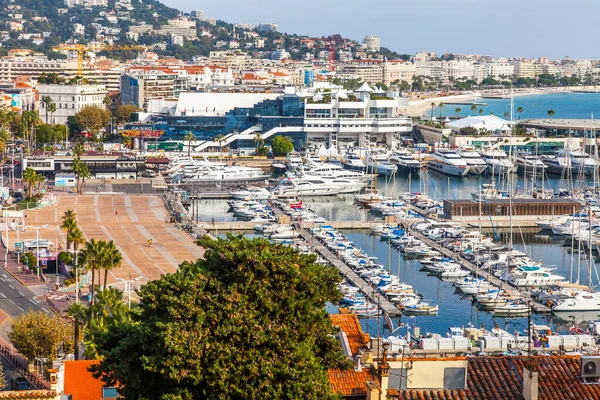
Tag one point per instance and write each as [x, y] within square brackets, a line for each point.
[530, 380]
[53, 376]
[359, 362]
[383, 369]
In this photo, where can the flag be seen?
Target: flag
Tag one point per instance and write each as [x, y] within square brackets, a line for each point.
[388, 321]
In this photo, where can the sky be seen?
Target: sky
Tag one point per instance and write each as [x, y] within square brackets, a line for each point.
[501, 28]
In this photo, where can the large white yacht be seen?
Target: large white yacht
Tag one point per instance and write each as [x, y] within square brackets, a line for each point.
[530, 164]
[448, 162]
[330, 170]
[477, 165]
[309, 185]
[405, 161]
[377, 162]
[202, 170]
[353, 162]
[579, 160]
[497, 161]
[532, 276]
[576, 300]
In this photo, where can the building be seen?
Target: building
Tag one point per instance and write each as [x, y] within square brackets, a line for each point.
[498, 70]
[267, 27]
[79, 384]
[102, 165]
[398, 70]
[86, 3]
[424, 56]
[70, 99]
[141, 83]
[372, 43]
[279, 55]
[370, 71]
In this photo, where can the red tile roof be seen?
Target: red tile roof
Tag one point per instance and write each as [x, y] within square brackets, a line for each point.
[351, 382]
[350, 325]
[28, 394]
[495, 378]
[79, 382]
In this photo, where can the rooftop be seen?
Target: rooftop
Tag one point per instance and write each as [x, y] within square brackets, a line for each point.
[554, 123]
[349, 324]
[79, 382]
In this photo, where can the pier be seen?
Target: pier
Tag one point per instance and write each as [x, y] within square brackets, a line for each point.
[249, 225]
[537, 307]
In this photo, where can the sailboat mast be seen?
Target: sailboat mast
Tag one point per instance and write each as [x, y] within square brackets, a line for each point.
[509, 176]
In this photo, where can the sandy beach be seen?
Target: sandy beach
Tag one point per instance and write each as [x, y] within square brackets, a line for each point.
[417, 108]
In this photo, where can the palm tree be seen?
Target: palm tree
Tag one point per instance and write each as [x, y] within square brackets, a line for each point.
[440, 106]
[473, 108]
[432, 107]
[76, 238]
[52, 109]
[189, 137]
[79, 150]
[458, 110]
[39, 181]
[46, 101]
[29, 177]
[69, 223]
[90, 257]
[219, 138]
[258, 140]
[480, 111]
[112, 259]
[519, 111]
[550, 113]
[505, 114]
[79, 314]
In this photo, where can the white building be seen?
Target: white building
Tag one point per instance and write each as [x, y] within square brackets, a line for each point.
[70, 99]
[280, 55]
[372, 43]
[497, 70]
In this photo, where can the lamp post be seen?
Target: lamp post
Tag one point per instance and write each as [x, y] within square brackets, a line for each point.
[37, 244]
[128, 287]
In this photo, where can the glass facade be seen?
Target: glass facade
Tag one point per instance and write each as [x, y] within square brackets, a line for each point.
[286, 111]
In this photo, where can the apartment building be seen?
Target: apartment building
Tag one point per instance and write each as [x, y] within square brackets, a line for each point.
[11, 68]
[370, 71]
[497, 70]
[70, 99]
[398, 70]
[142, 83]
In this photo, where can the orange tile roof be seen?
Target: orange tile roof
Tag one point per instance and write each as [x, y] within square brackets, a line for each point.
[493, 378]
[79, 382]
[351, 382]
[28, 394]
[350, 325]
[279, 74]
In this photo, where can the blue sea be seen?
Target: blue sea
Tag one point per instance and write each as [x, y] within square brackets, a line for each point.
[565, 105]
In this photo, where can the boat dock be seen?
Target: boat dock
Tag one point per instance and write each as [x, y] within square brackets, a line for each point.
[367, 289]
[227, 226]
[537, 307]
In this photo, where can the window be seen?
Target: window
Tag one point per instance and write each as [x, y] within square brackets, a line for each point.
[454, 378]
[109, 393]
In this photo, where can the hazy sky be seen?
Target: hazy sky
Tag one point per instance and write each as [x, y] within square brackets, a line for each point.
[525, 28]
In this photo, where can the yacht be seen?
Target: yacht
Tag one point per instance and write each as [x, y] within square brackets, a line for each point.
[308, 185]
[556, 165]
[579, 160]
[293, 161]
[330, 170]
[530, 164]
[576, 300]
[379, 163]
[354, 163]
[477, 165]
[405, 161]
[497, 162]
[251, 193]
[532, 276]
[448, 162]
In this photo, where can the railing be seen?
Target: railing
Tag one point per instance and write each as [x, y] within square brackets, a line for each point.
[18, 362]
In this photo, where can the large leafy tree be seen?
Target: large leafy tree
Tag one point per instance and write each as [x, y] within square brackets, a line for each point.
[92, 118]
[246, 322]
[37, 334]
[282, 146]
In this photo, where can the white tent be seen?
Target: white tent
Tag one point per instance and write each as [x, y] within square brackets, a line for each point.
[364, 88]
[489, 122]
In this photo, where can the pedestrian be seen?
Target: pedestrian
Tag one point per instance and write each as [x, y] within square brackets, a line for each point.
[67, 296]
[116, 213]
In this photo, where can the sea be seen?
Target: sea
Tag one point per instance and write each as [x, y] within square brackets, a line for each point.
[456, 310]
[565, 105]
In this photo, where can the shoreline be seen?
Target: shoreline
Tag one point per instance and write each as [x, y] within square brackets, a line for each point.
[418, 108]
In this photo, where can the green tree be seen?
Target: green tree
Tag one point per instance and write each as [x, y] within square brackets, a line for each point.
[258, 140]
[550, 113]
[91, 258]
[46, 101]
[480, 111]
[282, 146]
[441, 106]
[92, 118]
[68, 224]
[111, 259]
[79, 314]
[458, 111]
[219, 139]
[189, 137]
[37, 334]
[404, 86]
[124, 111]
[52, 109]
[473, 108]
[221, 328]
[76, 238]
[108, 311]
[432, 107]
[30, 178]
[519, 111]
[82, 172]
[506, 114]
[79, 150]
[126, 141]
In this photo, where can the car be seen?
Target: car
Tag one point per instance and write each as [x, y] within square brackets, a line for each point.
[18, 196]
[148, 173]
[20, 383]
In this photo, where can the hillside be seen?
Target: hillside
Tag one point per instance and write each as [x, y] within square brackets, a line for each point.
[41, 25]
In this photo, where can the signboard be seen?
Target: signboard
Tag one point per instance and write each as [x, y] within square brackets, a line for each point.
[15, 100]
[44, 264]
[64, 180]
[149, 133]
[12, 214]
[19, 246]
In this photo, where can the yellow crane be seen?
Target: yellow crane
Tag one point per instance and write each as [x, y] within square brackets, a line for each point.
[81, 49]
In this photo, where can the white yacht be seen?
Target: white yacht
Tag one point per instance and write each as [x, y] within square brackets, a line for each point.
[530, 164]
[308, 185]
[579, 160]
[293, 161]
[532, 276]
[377, 162]
[576, 300]
[354, 163]
[448, 162]
[255, 193]
[477, 165]
[330, 170]
[497, 161]
[405, 161]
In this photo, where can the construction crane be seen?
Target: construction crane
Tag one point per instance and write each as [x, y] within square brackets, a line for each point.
[81, 49]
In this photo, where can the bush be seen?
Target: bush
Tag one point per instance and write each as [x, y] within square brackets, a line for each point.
[262, 151]
[65, 257]
[29, 259]
[282, 146]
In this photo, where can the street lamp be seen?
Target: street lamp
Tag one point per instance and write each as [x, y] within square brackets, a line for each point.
[37, 244]
[76, 252]
[128, 287]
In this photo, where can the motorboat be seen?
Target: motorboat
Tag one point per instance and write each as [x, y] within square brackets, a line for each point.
[497, 161]
[308, 185]
[331, 170]
[448, 162]
[512, 307]
[579, 160]
[475, 162]
[353, 162]
[251, 193]
[530, 164]
[378, 163]
[556, 165]
[532, 276]
[575, 300]
[420, 309]
[405, 161]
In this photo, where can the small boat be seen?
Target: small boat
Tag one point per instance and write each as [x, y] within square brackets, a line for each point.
[513, 307]
[420, 309]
